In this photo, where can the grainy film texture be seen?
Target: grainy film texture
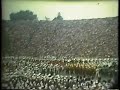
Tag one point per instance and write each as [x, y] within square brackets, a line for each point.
[70, 46]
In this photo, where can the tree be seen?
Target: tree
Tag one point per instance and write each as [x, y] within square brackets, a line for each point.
[59, 17]
[23, 15]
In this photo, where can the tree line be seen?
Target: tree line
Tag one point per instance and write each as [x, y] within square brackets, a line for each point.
[29, 15]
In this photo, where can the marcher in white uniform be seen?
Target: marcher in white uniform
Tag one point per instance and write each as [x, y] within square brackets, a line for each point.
[97, 73]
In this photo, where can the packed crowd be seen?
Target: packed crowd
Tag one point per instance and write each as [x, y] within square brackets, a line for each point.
[51, 75]
[57, 82]
[64, 38]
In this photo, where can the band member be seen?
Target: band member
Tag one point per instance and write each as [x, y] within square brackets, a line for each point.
[97, 73]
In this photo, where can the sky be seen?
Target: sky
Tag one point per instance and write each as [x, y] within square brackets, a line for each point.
[69, 10]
